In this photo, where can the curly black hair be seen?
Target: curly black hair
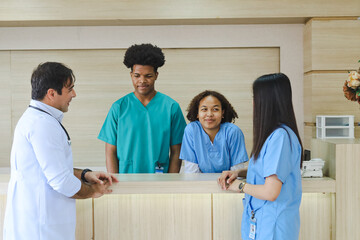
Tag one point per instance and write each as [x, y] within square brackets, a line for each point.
[144, 54]
[193, 108]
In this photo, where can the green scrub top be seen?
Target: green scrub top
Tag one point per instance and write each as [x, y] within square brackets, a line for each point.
[143, 135]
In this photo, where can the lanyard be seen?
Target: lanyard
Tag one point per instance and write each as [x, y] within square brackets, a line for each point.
[39, 109]
[253, 211]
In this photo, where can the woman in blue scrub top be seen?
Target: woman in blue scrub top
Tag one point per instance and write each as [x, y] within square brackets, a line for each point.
[211, 143]
[273, 184]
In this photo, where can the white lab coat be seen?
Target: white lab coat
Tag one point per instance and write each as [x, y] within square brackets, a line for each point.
[42, 180]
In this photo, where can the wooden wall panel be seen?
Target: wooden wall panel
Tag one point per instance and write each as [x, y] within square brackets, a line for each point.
[347, 191]
[102, 79]
[323, 95]
[308, 117]
[5, 109]
[84, 219]
[331, 49]
[3, 198]
[185, 216]
[124, 11]
[309, 134]
[342, 158]
[319, 207]
[227, 214]
[332, 45]
[307, 42]
[322, 149]
[155, 216]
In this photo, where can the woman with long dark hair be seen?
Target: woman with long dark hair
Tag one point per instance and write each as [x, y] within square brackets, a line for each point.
[273, 183]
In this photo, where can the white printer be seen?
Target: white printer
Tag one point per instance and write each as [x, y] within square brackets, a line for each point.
[312, 168]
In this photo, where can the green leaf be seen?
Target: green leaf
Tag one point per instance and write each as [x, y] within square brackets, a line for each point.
[359, 61]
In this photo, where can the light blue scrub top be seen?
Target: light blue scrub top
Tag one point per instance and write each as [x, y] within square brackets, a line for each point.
[280, 219]
[143, 135]
[227, 150]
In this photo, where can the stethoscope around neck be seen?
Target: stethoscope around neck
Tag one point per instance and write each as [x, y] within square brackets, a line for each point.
[39, 109]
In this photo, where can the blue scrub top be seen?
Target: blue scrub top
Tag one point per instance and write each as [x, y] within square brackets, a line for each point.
[227, 150]
[280, 219]
[143, 135]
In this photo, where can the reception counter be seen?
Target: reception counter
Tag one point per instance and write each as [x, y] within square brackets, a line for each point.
[184, 206]
[192, 206]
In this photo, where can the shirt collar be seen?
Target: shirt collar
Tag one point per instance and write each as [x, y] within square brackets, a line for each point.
[56, 113]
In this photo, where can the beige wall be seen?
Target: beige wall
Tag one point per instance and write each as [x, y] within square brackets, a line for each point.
[223, 58]
[5, 108]
[102, 79]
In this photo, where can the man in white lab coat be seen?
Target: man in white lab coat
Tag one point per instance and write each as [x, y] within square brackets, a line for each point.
[43, 184]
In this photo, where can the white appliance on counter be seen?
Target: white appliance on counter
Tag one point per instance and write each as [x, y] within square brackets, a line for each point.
[312, 168]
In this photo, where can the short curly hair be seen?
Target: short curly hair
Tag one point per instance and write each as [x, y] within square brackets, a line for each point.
[193, 108]
[144, 54]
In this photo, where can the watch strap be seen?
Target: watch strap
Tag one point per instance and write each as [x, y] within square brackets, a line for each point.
[83, 174]
[241, 186]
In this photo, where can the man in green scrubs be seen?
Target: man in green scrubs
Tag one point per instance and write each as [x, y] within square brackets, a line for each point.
[144, 125]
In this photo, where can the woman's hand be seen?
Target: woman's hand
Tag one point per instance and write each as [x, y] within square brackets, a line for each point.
[234, 186]
[226, 178]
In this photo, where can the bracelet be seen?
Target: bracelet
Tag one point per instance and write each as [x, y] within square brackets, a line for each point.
[83, 174]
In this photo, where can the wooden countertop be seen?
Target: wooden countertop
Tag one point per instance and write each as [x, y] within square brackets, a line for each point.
[195, 183]
[184, 183]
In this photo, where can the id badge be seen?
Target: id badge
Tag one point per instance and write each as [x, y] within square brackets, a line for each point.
[252, 228]
[159, 169]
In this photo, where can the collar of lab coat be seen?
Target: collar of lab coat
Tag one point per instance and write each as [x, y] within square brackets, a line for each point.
[56, 113]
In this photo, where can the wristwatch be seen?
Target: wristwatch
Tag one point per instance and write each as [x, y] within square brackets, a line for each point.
[83, 174]
[241, 186]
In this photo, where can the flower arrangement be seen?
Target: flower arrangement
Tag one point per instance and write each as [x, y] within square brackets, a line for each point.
[352, 86]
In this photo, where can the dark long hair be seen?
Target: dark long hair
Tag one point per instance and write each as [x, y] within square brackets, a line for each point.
[272, 107]
[193, 108]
